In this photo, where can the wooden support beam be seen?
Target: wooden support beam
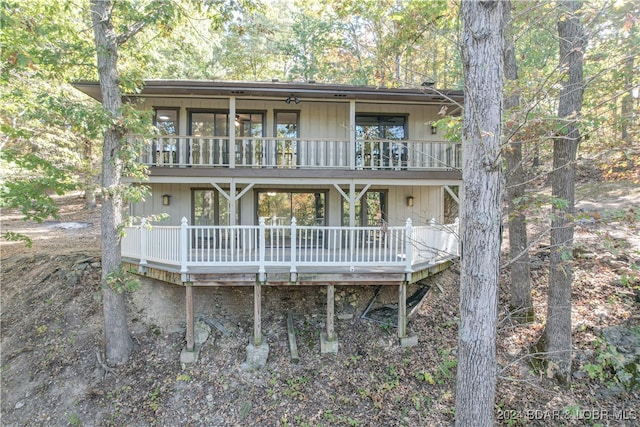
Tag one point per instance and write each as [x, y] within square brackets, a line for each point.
[257, 315]
[293, 346]
[190, 323]
[402, 310]
[330, 312]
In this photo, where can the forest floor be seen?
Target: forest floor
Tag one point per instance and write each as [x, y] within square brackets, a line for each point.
[51, 333]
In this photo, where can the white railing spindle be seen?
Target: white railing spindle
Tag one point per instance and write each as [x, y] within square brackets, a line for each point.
[183, 245]
[409, 246]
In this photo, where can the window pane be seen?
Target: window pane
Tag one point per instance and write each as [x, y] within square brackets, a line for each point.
[205, 207]
[167, 121]
[279, 208]
[275, 207]
[209, 208]
[221, 124]
[202, 124]
[287, 124]
[370, 210]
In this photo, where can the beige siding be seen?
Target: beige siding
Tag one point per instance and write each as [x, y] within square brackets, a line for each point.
[427, 203]
[317, 119]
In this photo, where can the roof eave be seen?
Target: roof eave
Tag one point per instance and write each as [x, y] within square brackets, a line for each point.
[209, 88]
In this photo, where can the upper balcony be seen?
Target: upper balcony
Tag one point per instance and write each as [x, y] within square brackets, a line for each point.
[299, 153]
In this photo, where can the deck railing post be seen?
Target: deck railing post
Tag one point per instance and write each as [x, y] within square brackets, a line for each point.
[143, 242]
[409, 248]
[183, 245]
[293, 270]
[232, 132]
[352, 136]
[262, 250]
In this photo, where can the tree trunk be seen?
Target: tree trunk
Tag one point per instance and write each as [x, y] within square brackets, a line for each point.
[626, 109]
[89, 177]
[521, 301]
[557, 335]
[482, 175]
[117, 339]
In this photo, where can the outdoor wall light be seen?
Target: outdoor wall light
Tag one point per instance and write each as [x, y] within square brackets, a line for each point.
[166, 199]
[292, 98]
[434, 128]
[410, 201]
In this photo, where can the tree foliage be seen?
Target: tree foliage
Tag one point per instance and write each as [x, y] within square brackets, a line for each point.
[45, 127]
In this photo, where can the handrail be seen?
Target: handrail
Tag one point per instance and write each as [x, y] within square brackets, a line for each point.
[276, 152]
[266, 246]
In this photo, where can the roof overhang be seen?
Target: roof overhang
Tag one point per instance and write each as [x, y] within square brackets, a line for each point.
[274, 90]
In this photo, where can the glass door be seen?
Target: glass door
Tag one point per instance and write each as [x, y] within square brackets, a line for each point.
[166, 148]
[373, 147]
[285, 152]
[207, 146]
[279, 207]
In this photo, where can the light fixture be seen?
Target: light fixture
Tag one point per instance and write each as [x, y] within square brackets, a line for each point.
[434, 128]
[166, 199]
[410, 201]
[164, 117]
[292, 98]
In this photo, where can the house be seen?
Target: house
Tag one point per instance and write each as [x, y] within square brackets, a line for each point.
[274, 183]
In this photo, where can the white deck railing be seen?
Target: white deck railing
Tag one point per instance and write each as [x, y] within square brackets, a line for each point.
[265, 152]
[264, 248]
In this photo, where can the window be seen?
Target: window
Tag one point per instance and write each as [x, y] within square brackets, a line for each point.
[210, 129]
[212, 123]
[373, 153]
[166, 147]
[209, 208]
[286, 124]
[371, 209]
[208, 124]
[286, 147]
[380, 127]
[279, 207]
[166, 120]
[249, 124]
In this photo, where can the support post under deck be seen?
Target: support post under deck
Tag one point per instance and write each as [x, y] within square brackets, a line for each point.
[328, 340]
[405, 341]
[402, 310]
[257, 315]
[257, 351]
[190, 323]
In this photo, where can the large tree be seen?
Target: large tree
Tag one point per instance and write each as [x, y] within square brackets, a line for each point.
[521, 300]
[118, 344]
[114, 25]
[556, 341]
[482, 174]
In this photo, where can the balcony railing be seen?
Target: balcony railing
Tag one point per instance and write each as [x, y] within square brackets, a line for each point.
[263, 248]
[265, 152]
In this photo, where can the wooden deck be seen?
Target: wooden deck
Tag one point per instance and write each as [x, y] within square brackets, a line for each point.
[288, 255]
[281, 276]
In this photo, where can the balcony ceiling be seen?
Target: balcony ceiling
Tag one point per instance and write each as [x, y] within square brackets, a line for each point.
[275, 90]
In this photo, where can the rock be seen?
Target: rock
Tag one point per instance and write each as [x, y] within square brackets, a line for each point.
[625, 340]
[201, 332]
[19, 404]
[579, 375]
[257, 357]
